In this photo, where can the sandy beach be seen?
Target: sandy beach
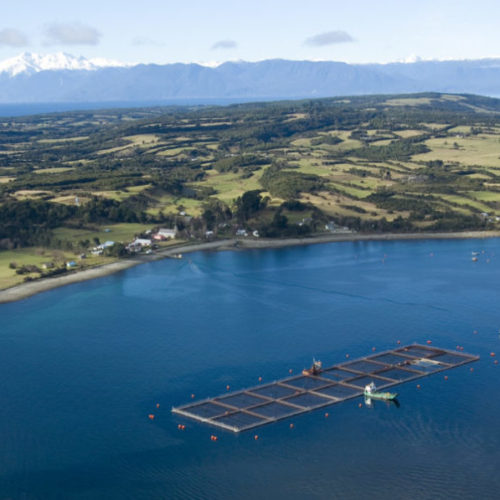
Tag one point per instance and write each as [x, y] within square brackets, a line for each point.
[28, 289]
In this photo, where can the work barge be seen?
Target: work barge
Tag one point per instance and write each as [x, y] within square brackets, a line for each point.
[291, 396]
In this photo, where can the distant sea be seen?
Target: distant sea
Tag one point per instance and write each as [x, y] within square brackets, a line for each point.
[25, 109]
[83, 366]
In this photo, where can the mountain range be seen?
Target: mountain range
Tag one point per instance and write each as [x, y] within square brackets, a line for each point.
[33, 78]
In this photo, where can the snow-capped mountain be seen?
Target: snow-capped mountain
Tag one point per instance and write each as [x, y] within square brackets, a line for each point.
[30, 63]
[63, 78]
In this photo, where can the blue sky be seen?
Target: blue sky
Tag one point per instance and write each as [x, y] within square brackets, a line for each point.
[164, 31]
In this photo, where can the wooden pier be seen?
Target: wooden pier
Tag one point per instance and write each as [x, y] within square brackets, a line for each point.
[266, 403]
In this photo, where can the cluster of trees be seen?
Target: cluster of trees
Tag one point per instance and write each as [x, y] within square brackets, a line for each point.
[400, 150]
[281, 181]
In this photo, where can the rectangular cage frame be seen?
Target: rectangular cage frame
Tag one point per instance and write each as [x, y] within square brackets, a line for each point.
[298, 394]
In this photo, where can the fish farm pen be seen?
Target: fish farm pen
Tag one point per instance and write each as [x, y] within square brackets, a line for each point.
[266, 403]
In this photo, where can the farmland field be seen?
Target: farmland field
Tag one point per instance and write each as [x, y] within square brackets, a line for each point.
[372, 164]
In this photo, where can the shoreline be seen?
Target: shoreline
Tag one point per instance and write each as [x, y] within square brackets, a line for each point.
[25, 290]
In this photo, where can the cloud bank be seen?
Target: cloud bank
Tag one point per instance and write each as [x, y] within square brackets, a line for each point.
[224, 44]
[328, 38]
[71, 34]
[12, 38]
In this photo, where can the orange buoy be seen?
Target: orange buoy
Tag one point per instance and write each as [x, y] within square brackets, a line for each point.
[151, 416]
[446, 377]
[260, 379]
[228, 387]
[374, 349]
[327, 415]
[157, 405]
[291, 426]
[360, 405]
[256, 437]
[492, 354]
[192, 396]
[429, 342]
[179, 426]
[399, 342]
[472, 369]
[496, 361]
[347, 355]
[418, 386]
[290, 371]
[458, 348]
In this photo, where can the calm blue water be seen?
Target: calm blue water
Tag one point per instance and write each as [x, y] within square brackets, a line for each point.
[81, 368]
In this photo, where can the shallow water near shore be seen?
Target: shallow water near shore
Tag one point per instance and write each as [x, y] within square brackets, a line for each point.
[83, 366]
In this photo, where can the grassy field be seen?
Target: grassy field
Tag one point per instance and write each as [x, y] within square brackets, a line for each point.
[483, 150]
[121, 233]
[28, 256]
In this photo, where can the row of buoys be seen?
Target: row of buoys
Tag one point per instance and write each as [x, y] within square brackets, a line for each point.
[181, 427]
[460, 348]
[213, 438]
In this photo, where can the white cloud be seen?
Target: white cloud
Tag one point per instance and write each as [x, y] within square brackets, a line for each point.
[328, 38]
[71, 34]
[224, 44]
[13, 38]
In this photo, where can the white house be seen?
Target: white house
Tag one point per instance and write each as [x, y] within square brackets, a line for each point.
[165, 234]
[142, 242]
[106, 244]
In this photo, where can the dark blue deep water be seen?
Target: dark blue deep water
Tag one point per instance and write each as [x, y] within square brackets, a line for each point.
[81, 367]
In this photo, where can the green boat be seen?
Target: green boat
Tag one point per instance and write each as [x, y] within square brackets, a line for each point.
[371, 392]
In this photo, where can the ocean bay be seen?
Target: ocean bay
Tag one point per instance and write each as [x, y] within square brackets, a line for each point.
[84, 365]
